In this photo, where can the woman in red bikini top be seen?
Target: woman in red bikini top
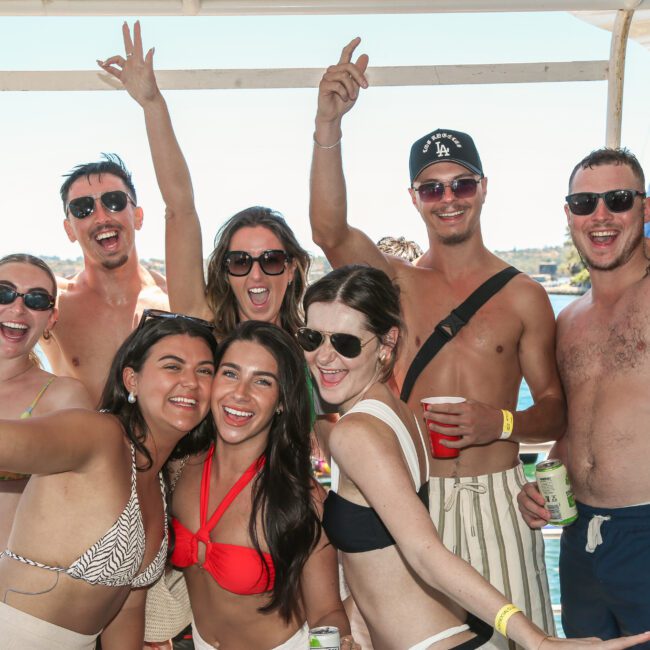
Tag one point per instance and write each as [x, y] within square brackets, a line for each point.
[246, 511]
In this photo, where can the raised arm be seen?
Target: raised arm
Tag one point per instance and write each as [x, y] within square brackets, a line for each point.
[183, 247]
[337, 93]
[373, 461]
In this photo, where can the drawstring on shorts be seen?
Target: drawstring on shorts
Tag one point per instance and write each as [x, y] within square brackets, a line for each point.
[594, 538]
[450, 501]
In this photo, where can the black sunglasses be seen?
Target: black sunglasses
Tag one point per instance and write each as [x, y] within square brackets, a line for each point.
[84, 206]
[34, 299]
[347, 345]
[584, 203]
[272, 262]
[149, 314]
[462, 188]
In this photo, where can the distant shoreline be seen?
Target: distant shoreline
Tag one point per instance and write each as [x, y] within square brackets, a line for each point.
[566, 290]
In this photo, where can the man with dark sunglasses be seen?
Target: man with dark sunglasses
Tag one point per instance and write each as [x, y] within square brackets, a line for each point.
[510, 336]
[603, 352]
[100, 305]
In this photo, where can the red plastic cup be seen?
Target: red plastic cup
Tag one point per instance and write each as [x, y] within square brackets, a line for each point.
[436, 429]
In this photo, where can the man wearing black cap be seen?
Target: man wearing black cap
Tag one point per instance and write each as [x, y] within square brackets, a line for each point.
[480, 357]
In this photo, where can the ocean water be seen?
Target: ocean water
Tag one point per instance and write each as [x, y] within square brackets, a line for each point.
[552, 545]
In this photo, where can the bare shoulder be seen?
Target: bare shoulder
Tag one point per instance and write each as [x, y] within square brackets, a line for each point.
[528, 288]
[153, 291]
[68, 285]
[159, 279]
[408, 277]
[528, 297]
[67, 393]
[573, 309]
[360, 435]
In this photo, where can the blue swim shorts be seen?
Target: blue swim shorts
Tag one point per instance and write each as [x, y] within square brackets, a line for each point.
[606, 591]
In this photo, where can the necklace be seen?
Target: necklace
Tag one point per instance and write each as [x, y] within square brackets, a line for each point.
[22, 372]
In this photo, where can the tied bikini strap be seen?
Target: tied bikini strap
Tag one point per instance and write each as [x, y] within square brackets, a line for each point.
[240, 484]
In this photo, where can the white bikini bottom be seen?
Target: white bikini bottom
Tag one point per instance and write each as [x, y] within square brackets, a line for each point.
[299, 641]
[22, 631]
[441, 636]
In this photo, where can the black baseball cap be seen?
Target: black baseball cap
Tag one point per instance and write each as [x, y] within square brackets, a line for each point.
[444, 145]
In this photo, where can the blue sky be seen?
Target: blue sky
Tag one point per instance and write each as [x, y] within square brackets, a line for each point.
[253, 147]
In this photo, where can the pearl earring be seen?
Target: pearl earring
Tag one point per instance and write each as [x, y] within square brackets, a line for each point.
[131, 399]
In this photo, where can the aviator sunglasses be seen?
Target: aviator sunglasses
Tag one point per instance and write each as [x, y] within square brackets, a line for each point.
[347, 345]
[584, 203]
[461, 188]
[240, 263]
[35, 300]
[84, 206]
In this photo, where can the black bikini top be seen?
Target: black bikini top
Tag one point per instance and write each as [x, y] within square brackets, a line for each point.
[353, 528]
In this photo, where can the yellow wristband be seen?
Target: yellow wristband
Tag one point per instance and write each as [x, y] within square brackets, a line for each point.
[503, 616]
[508, 424]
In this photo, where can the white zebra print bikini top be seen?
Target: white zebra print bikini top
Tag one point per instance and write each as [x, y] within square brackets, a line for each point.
[115, 558]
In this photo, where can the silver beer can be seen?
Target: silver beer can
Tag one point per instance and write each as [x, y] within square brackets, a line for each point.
[553, 483]
[326, 638]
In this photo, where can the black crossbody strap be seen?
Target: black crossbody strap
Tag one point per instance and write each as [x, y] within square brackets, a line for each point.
[448, 327]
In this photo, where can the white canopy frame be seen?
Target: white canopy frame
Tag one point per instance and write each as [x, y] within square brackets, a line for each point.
[613, 70]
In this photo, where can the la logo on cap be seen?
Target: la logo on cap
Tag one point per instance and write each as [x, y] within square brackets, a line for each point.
[442, 150]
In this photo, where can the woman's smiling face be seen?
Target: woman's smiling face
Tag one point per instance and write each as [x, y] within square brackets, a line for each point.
[342, 380]
[259, 296]
[21, 327]
[246, 393]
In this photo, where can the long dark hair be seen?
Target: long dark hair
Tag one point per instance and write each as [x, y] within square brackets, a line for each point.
[132, 354]
[219, 295]
[369, 291]
[282, 491]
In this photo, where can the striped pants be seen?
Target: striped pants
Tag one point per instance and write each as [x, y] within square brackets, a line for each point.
[478, 519]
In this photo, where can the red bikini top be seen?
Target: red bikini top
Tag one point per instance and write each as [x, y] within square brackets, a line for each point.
[238, 569]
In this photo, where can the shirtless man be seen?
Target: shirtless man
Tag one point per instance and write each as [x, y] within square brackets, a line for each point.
[100, 305]
[472, 497]
[603, 343]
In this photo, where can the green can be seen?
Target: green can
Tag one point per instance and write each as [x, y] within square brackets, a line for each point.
[553, 483]
[326, 638]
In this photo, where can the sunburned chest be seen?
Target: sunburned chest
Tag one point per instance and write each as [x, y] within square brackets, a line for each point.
[599, 346]
[90, 326]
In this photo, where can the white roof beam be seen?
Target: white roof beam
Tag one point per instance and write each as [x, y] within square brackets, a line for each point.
[310, 77]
